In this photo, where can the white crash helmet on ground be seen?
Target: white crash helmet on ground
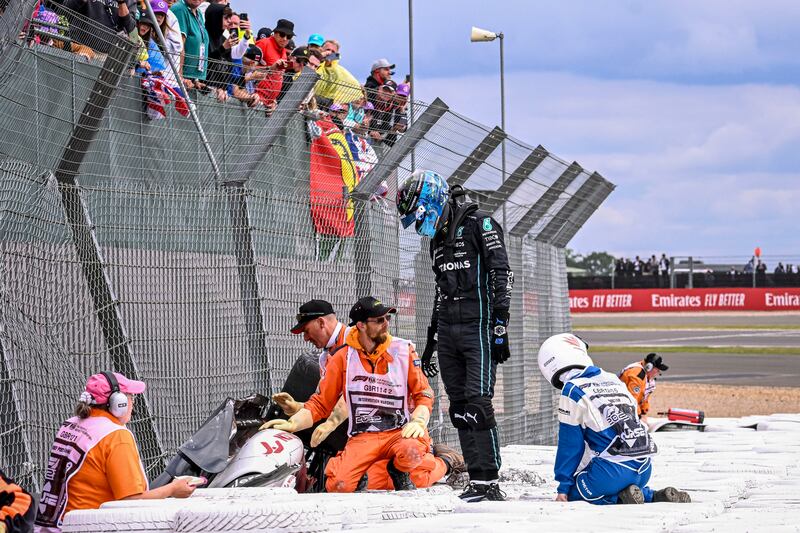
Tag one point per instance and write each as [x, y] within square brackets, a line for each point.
[561, 353]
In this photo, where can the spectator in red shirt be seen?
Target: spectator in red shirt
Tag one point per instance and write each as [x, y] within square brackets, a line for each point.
[276, 57]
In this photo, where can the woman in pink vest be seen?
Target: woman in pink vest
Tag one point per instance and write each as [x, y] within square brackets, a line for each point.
[94, 458]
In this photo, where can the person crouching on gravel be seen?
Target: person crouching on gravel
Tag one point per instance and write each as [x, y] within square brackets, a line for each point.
[640, 378]
[597, 412]
[94, 458]
[388, 398]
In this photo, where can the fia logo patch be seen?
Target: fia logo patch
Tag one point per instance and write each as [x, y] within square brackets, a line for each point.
[487, 224]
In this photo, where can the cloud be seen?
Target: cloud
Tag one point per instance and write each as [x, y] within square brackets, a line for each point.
[699, 169]
[712, 41]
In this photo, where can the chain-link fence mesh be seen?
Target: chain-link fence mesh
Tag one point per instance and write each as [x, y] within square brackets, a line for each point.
[121, 248]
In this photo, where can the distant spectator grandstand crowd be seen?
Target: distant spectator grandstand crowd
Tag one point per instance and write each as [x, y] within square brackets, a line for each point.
[216, 52]
[660, 272]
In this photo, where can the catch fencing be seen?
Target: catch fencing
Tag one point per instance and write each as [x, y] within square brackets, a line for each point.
[121, 248]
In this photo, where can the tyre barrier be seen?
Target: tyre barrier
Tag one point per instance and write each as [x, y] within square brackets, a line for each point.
[294, 517]
[264, 509]
[140, 520]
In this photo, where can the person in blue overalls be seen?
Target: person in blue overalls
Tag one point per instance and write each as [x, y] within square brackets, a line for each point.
[604, 451]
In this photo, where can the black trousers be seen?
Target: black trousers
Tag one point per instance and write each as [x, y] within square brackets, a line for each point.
[468, 373]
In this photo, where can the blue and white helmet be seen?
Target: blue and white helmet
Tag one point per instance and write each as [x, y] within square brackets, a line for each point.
[421, 200]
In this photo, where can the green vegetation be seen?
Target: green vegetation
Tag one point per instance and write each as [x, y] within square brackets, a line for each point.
[728, 350]
[595, 263]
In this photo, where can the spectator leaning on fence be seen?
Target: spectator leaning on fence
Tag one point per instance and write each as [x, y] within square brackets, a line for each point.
[336, 84]
[173, 43]
[276, 57]
[300, 58]
[253, 71]
[380, 72]
[116, 16]
[388, 119]
[102, 462]
[220, 38]
[194, 59]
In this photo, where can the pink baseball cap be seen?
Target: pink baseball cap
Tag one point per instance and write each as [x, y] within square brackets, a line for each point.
[160, 6]
[100, 389]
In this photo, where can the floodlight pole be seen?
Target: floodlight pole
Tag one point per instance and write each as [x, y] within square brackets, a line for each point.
[503, 120]
[411, 71]
[480, 35]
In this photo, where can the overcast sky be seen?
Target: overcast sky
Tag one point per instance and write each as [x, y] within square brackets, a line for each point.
[690, 107]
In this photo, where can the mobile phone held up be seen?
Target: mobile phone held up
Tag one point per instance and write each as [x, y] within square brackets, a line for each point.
[244, 16]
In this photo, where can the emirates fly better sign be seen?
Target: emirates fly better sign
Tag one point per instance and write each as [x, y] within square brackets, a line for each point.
[637, 300]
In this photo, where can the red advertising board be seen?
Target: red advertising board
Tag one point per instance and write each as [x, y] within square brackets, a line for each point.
[659, 300]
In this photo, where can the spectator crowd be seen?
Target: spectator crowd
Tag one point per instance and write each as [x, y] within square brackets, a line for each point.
[215, 52]
[657, 268]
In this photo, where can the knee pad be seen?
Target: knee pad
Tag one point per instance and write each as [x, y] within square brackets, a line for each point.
[475, 415]
[457, 415]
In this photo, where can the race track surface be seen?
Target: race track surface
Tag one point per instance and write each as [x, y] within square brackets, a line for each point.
[750, 335]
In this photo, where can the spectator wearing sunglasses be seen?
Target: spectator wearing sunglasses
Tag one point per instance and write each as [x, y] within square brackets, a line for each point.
[377, 374]
[300, 58]
[276, 56]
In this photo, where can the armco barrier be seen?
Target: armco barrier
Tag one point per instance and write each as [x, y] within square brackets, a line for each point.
[660, 300]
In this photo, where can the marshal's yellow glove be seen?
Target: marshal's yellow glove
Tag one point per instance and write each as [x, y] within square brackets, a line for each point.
[298, 422]
[322, 431]
[285, 401]
[280, 424]
[414, 429]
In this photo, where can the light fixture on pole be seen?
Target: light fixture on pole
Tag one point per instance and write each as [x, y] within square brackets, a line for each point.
[479, 35]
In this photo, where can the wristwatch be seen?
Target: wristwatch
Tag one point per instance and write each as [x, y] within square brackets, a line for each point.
[499, 330]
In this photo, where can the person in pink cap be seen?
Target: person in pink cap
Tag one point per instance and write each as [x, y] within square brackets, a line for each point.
[94, 458]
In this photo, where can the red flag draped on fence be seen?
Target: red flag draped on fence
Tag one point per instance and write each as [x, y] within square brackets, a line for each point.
[332, 170]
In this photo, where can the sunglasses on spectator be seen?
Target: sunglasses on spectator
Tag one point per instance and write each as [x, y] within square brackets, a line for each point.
[380, 319]
[281, 34]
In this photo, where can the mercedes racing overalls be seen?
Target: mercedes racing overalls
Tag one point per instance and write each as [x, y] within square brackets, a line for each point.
[602, 445]
[473, 281]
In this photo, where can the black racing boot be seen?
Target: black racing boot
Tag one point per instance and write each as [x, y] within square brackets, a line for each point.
[400, 480]
[672, 495]
[362, 483]
[456, 466]
[631, 494]
[476, 492]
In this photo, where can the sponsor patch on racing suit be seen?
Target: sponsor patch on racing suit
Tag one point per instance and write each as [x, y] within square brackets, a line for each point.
[599, 402]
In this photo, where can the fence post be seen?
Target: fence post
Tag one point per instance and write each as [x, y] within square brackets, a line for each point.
[672, 272]
[10, 422]
[691, 273]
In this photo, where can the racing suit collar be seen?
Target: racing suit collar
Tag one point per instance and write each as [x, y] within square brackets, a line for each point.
[587, 372]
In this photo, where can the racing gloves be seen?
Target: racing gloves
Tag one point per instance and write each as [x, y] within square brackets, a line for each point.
[429, 366]
[288, 404]
[500, 349]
